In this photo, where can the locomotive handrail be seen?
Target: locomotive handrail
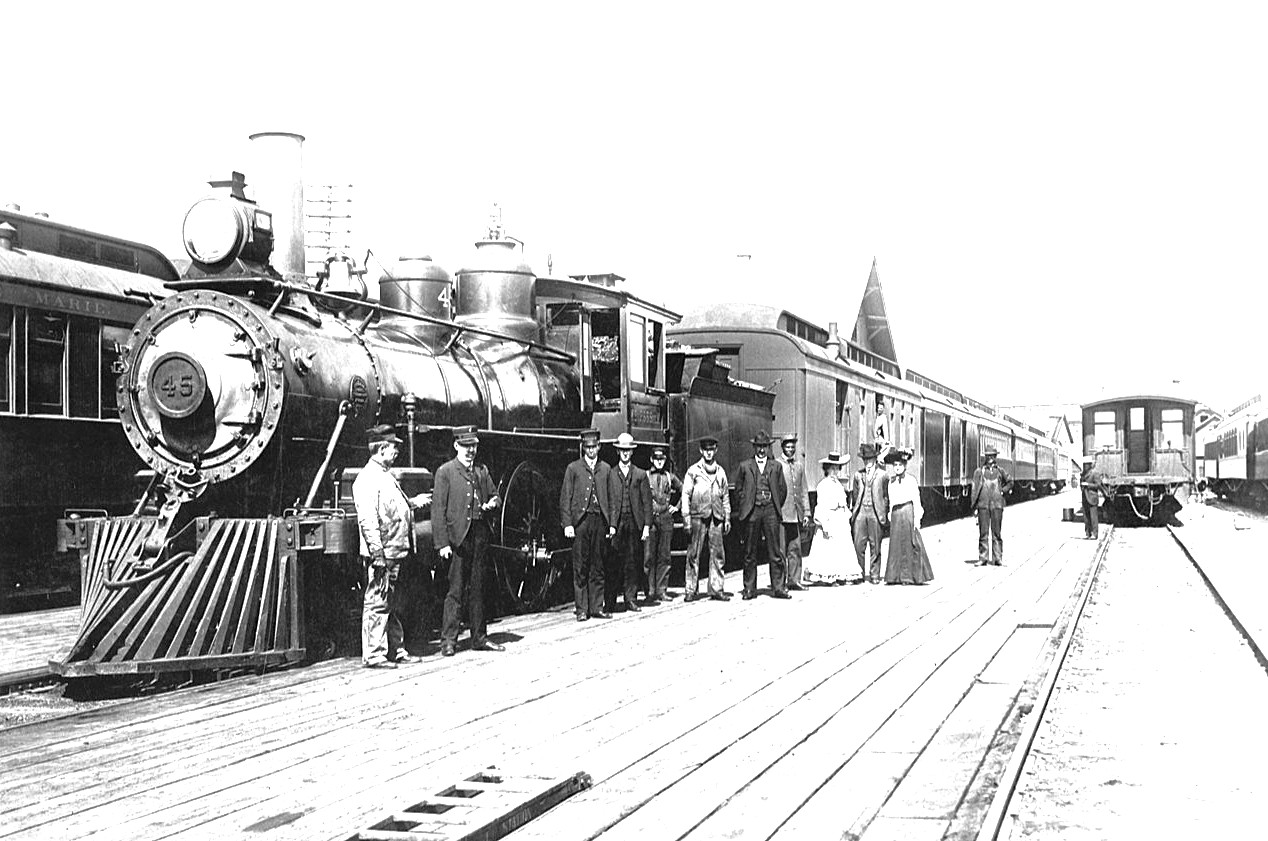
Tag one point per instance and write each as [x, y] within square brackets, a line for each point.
[295, 512]
[375, 306]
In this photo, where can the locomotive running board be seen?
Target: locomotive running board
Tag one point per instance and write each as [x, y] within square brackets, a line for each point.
[232, 603]
[483, 807]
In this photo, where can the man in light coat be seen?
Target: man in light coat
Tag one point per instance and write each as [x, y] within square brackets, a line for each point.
[795, 512]
[706, 506]
[990, 484]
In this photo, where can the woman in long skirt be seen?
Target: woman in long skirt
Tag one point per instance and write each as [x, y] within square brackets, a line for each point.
[908, 562]
[831, 558]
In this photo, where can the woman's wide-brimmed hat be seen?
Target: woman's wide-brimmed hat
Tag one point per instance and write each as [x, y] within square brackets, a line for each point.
[833, 458]
[898, 454]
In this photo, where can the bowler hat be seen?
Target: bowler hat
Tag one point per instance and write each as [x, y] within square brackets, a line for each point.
[761, 439]
[707, 441]
[465, 435]
[991, 451]
[897, 454]
[867, 451]
[833, 458]
[384, 433]
[589, 436]
[625, 441]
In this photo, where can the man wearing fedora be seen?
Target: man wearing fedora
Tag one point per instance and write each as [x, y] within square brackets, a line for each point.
[795, 512]
[586, 513]
[385, 517]
[760, 492]
[706, 506]
[869, 511]
[990, 484]
[464, 495]
[665, 489]
[630, 497]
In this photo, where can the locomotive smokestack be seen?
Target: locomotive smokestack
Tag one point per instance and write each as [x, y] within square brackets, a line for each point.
[277, 175]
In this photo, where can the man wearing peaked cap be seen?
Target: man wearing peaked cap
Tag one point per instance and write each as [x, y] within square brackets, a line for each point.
[665, 489]
[586, 513]
[1090, 485]
[465, 497]
[760, 492]
[869, 513]
[990, 484]
[385, 519]
[630, 497]
[795, 512]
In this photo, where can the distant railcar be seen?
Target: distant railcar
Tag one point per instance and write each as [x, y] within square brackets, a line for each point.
[68, 301]
[1144, 450]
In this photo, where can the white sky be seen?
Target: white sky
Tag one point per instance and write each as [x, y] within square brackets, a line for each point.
[1061, 199]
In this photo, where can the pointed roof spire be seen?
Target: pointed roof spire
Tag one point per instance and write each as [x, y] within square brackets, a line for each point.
[872, 331]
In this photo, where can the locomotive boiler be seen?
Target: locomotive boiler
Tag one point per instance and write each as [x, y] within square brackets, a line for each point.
[247, 393]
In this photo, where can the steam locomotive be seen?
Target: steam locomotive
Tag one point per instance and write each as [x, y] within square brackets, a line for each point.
[247, 393]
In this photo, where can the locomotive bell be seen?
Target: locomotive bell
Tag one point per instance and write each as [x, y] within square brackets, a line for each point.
[417, 285]
[496, 292]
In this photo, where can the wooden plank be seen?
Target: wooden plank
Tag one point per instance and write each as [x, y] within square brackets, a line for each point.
[1017, 658]
[848, 800]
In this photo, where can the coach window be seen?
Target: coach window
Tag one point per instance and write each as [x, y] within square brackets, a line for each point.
[84, 367]
[6, 355]
[1173, 428]
[1103, 430]
[113, 340]
[46, 362]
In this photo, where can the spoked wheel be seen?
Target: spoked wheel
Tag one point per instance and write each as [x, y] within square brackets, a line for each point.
[523, 550]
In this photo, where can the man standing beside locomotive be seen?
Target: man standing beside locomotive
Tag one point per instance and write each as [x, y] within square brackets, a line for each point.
[386, 520]
[706, 506]
[665, 487]
[464, 494]
[795, 512]
[990, 483]
[586, 513]
[1090, 487]
[869, 511]
[760, 492]
[631, 499]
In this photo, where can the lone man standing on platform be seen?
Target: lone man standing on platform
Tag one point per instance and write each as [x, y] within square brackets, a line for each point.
[631, 501]
[706, 505]
[586, 513]
[464, 495]
[665, 488]
[760, 492]
[795, 511]
[386, 520]
[1090, 484]
[869, 513]
[990, 483]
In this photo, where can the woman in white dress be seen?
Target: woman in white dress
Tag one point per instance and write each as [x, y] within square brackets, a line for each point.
[831, 559]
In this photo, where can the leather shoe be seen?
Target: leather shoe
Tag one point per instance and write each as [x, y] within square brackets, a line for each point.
[602, 614]
[653, 601]
[488, 645]
[720, 597]
[407, 659]
[581, 617]
[380, 664]
[780, 594]
[796, 587]
[690, 597]
[446, 649]
[747, 596]
[633, 607]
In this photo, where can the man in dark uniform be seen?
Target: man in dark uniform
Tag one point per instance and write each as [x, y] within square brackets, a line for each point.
[665, 489]
[586, 513]
[760, 492]
[990, 483]
[869, 513]
[1090, 486]
[464, 494]
[795, 512]
[631, 501]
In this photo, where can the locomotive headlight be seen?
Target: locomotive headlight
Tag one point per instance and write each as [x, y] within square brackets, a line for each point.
[218, 231]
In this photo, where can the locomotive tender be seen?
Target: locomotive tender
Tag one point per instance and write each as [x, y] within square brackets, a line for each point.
[68, 298]
[247, 393]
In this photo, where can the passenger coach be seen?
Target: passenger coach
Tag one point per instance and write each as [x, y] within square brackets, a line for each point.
[1235, 453]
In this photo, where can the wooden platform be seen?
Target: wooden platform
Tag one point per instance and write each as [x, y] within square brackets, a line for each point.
[844, 710]
[27, 640]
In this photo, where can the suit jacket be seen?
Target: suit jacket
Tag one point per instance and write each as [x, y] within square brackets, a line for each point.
[879, 488]
[1091, 486]
[797, 505]
[575, 491]
[746, 486]
[457, 496]
[989, 486]
[641, 495]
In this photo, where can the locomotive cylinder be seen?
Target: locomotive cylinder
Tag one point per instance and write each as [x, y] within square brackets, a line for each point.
[417, 285]
[496, 292]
